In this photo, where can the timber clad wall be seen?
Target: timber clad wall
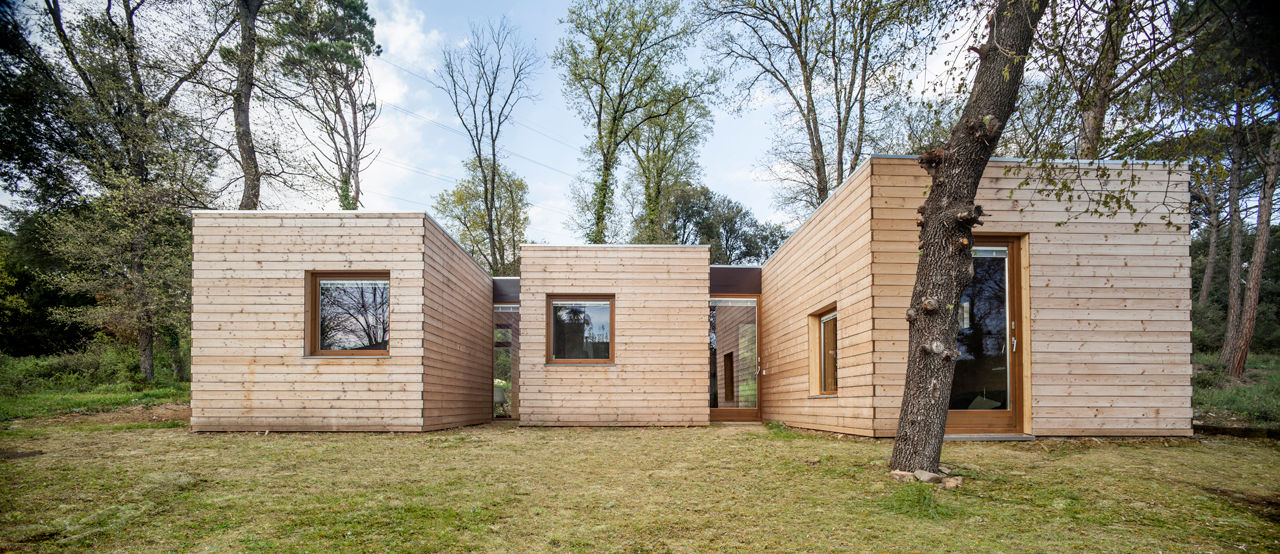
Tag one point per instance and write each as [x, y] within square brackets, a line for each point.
[826, 263]
[458, 336]
[1108, 307]
[249, 371]
[660, 329]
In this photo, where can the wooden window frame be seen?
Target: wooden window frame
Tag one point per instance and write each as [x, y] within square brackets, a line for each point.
[816, 352]
[312, 312]
[613, 338]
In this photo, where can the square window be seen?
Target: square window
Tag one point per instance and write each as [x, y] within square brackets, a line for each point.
[348, 313]
[579, 329]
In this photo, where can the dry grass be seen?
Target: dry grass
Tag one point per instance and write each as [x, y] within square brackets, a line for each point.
[127, 486]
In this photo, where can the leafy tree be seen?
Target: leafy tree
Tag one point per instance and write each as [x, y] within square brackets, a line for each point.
[664, 156]
[36, 140]
[698, 215]
[617, 62]
[143, 163]
[1105, 52]
[324, 47]
[486, 79]
[27, 302]
[463, 211]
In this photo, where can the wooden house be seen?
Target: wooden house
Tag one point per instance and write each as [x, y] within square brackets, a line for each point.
[1075, 324]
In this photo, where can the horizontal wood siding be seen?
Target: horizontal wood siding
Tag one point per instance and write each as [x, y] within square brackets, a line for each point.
[249, 371]
[458, 333]
[661, 336]
[1109, 307]
[827, 261]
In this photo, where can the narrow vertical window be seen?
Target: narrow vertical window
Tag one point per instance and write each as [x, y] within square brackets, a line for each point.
[579, 329]
[828, 350]
[348, 314]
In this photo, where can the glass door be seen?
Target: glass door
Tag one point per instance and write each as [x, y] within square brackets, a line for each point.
[734, 363]
[984, 392]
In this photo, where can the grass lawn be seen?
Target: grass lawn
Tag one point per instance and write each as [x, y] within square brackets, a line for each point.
[95, 482]
[1253, 400]
[45, 403]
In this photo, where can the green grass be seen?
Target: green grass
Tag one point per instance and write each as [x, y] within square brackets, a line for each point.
[721, 488]
[1253, 400]
[100, 399]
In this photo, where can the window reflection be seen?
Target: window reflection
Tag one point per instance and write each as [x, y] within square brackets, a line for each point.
[580, 329]
[354, 314]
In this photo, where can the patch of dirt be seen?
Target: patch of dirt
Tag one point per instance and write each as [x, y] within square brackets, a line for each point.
[6, 454]
[174, 411]
[1265, 506]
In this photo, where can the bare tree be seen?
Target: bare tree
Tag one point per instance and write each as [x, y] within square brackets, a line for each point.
[946, 231]
[486, 79]
[822, 57]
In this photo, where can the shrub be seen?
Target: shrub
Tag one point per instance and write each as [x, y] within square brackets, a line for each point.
[1208, 325]
[101, 362]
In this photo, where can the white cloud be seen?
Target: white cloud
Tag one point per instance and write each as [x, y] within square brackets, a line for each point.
[402, 30]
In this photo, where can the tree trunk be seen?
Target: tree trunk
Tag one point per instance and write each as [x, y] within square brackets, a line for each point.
[1206, 282]
[1235, 353]
[600, 198]
[1098, 100]
[146, 350]
[1235, 232]
[946, 235]
[176, 358]
[242, 98]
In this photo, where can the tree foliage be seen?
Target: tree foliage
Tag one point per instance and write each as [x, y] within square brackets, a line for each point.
[322, 49]
[618, 61]
[464, 212]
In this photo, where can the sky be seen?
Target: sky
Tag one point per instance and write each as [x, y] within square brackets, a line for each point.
[422, 147]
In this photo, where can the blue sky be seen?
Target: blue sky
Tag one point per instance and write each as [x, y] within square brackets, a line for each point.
[422, 152]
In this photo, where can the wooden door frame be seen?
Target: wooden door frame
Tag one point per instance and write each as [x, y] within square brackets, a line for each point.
[739, 414]
[1018, 302]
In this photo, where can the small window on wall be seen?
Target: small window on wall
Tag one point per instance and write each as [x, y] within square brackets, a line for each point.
[823, 352]
[348, 313]
[579, 329]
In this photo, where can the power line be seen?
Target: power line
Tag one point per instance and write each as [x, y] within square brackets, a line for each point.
[411, 113]
[442, 178]
[512, 120]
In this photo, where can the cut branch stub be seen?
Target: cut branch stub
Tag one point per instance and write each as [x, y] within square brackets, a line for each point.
[932, 160]
[970, 217]
[935, 347]
[911, 314]
[929, 304]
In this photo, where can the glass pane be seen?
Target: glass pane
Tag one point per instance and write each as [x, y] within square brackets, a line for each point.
[506, 357]
[354, 314]
[580, 330]
[829, 352]
[733, 353]
[982, 370]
